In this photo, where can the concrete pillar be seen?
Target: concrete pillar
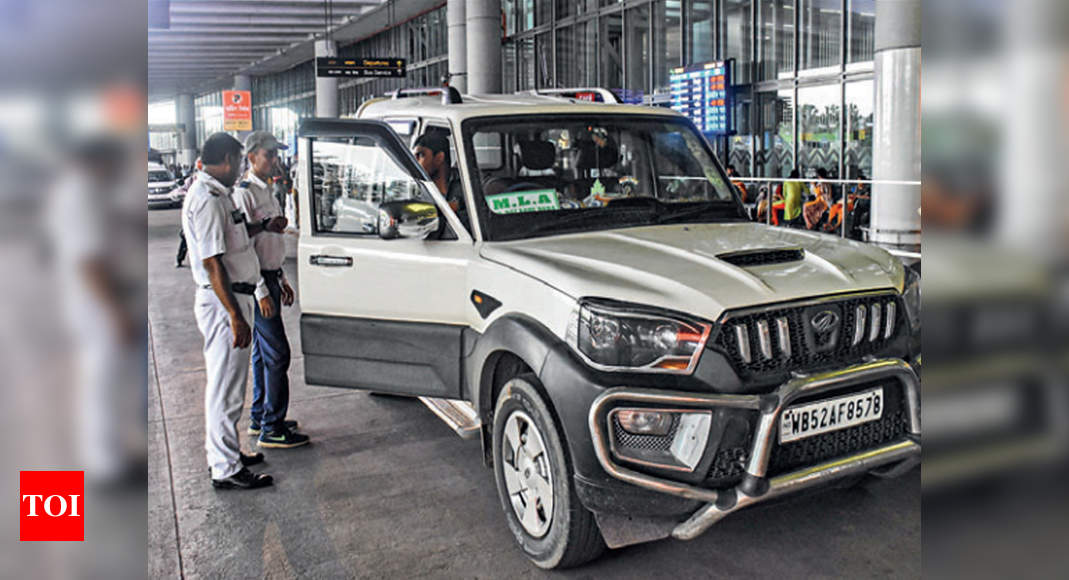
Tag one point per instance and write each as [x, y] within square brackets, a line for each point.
[244, 83]
[483, 19]
[896, 148]
[456, 18]
[326, 88]
[186, 115]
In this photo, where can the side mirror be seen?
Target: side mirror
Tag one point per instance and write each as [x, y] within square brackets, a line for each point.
[407, 219]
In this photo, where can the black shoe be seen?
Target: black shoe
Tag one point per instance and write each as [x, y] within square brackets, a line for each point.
[255, 458]
[244, 479]
[254, 426]
[284, 439]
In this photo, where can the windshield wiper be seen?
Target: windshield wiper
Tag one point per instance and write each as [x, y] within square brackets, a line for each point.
[690, 212]
[587, 214]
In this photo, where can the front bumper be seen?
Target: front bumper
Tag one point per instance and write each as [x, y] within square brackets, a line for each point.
[165, 199]
[755, 486]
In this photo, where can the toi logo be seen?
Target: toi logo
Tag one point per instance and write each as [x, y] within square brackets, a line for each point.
[51, 506]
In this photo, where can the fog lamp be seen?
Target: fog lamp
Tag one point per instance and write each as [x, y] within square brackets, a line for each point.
[645, 422]
[672, 439]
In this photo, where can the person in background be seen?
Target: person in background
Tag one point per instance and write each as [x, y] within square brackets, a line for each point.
[732, 173]
[814, 211]
[792, 200]
[255, 198]
[227, 276]
[95, 223]
[183, 247]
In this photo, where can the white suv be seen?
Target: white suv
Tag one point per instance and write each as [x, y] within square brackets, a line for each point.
[160, 185]
[638, 359]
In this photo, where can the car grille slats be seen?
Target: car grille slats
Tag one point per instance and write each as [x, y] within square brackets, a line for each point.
[787, 338]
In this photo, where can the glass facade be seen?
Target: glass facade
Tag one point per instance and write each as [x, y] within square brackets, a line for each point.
[803, 69]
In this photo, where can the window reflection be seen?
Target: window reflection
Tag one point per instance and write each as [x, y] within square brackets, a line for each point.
[819, 111]
[700, 35]
[775, 19]
[737, 29]
[858, 131]
[820, 22]
[775, 134]
[861, 30]
[666, 41]
[610, 44]
[638, 49]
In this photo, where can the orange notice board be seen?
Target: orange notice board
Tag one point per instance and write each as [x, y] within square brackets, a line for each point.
[237, 111]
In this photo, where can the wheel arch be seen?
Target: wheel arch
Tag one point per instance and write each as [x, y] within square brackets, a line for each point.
[512, 345]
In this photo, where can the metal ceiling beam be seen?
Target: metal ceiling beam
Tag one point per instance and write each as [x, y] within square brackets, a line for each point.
[255, 19]
[221, 39]
[210, 41]
[237, 28]
[239, 61]
[240, 30]
[230, 10]
[256, 24]
[273, 3]
[204, 52]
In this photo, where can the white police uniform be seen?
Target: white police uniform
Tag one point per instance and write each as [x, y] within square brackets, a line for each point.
[254, 197]
[214, 227]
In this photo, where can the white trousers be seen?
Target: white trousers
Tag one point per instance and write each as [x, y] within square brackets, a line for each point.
[227, 368]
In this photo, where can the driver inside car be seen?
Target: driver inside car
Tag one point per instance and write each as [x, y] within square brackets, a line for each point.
[431, 151]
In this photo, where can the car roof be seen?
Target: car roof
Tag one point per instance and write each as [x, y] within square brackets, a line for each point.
[496, 105]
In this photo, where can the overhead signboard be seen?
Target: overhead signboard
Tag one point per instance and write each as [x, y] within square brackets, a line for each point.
[704, 93]
[237, 111]
[330, 66]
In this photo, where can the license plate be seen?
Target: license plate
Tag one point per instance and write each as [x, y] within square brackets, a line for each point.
[830, 415]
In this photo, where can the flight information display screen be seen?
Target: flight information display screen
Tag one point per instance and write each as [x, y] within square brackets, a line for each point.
[703, 92]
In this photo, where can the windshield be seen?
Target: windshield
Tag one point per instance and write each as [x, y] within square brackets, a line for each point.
[155, 176]
[545, 175]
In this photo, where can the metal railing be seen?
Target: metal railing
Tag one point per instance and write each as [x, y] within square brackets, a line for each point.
[810, 184]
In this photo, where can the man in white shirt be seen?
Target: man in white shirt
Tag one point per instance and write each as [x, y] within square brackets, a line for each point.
[227, 274]
[254, 196]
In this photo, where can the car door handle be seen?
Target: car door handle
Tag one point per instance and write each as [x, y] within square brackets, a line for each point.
[331, 261]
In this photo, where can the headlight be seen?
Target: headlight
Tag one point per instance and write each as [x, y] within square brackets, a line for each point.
[911, 298]
[621, 337]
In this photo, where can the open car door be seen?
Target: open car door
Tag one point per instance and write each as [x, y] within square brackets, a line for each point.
[382, 295]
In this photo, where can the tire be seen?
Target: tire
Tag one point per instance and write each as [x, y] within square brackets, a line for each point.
[565, 535]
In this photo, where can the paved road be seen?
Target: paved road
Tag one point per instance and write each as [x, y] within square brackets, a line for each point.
[387, 490]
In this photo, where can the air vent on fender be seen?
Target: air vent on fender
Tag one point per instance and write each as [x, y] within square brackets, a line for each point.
[762, 257]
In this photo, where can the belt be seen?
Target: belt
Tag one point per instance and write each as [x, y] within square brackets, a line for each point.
[271, 273]
[237, 288]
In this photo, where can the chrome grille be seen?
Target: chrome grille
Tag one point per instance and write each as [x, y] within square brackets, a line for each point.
[786, 338]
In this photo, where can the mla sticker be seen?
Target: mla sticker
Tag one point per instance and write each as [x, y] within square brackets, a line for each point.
[524, 201]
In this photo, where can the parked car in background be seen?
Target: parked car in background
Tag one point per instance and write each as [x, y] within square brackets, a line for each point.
[160, 185]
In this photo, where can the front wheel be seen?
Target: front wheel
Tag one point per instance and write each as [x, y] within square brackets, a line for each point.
[534, 481]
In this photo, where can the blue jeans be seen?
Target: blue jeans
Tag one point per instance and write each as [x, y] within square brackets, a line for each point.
[270, 363]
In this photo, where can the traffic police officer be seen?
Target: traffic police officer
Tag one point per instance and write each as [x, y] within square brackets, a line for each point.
[270, 349]
[227, 275]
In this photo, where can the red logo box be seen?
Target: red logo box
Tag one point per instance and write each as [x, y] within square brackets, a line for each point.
[51, 506]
